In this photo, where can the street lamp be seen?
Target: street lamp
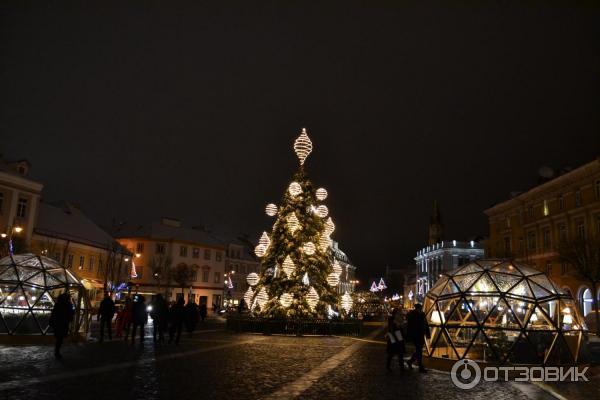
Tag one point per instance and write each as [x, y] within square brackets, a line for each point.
[13, 229]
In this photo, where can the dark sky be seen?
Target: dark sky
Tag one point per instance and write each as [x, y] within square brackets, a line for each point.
[190, 110]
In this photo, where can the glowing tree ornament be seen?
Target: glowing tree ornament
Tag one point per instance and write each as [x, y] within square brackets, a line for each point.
[337, 268]
[271, 210]
[248, 296]
[321, 194]
[346, 302]
[262, 297]
[293, 223]
[288, 266]
[260, 251]
[382, 285]
[286, 300]
[322, 211]
[374, 287]
[303, 146]
[324, 243]
[312, 298]
[329, 226]
[252, 278]
[264, 240]
[295, 189]
[333, 279]
[309, 248]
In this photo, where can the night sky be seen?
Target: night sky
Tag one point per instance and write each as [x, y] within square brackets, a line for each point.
[190, 110]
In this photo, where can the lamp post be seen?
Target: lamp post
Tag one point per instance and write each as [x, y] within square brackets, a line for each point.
[11, 231]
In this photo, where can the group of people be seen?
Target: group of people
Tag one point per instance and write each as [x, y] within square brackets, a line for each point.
[134, 316]
[414, 329]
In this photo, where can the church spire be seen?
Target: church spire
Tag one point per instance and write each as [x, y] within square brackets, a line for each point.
[436, 228]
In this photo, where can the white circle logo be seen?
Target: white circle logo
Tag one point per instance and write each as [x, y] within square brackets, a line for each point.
[465, 374]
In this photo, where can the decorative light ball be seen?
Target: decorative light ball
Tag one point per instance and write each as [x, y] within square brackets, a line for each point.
[286, 300]
[248, 296]
[312, 298]
[271, 210]
[324, 243]
[260, 251]
[321, 194]
[295, 189]
[309, 248]
[346, 302]
[262, 297]
[333, 279]
[252, 278]
[329, 226]
[303, 146]
[322, 211]
[293, 223]
[337, 268]
[264, 240]
[288, 266]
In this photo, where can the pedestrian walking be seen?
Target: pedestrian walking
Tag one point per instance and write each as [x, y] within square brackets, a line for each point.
[191, 316]
[417, 329]
[176, 316]
[105, 315]
[60, 318]
[395, 339]
[139, 317]
[160, 316]
[126, 316]
[203, 311]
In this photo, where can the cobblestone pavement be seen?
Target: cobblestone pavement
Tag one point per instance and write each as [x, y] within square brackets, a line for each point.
[216, 364]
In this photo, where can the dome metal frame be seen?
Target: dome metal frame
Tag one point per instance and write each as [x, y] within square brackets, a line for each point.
[29, 286]
[501, 312]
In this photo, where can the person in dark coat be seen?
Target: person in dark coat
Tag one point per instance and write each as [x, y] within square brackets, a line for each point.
[127, 316]
[176, 317]
[105, 315]
[203, 312]
[160, 316]
[140, 317]
[60, 318]
[417, 329]
[191, 316]
[395, 339]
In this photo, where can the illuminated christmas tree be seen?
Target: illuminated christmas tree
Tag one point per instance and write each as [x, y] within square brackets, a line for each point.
[298, 275]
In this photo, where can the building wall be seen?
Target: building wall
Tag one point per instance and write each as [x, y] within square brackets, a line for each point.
[530, 227]
[208, 261]
[237, 267]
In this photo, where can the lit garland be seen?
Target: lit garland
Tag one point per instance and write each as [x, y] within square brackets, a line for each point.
[346, 302]
[252, 278]
[295, 189]
[293, 223]
[337, 269]
[333, 279]
[312, 298]
[322, 211]
[303, 146]
[321, 194]
[329, 226]
[286, 300]
[271, 210]
[288, 266]
[309, 248]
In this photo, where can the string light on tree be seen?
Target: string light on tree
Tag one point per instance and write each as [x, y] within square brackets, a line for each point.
[293, 223]
[271, 210]
[288, 266]
[324, 243]
[312, 298]
[321, 194]
[295, 189]
[337, 268]
[309, 248]
[264, 240]
[262, 297]
[303, 146]
[248, 296]
[260, 251]
[346, 302]
[252, 278]
[322, 211]
[329, 226]
[333, 279]
[286, 300]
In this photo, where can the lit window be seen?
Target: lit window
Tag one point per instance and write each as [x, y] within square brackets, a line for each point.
[22, 208]
[546, 208]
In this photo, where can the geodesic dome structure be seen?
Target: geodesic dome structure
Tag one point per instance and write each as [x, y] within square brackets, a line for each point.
[500, 312]
[29, 286]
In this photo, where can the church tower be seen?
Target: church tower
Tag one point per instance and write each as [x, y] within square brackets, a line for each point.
[436, 228]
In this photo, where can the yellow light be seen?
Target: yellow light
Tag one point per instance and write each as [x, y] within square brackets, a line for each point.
[333, 279]
[337, 269]
[295, 189]
[346, 302]
[321, 194]
[286, 300]
[137, 255]
[260, 251]
[322, 211]
[329, 226]
[437, 317]
[312, 298]
[293, 223]
[567, 319]
[324, 243]
[126, 259]
[303, 146]
[18, 229]
[3, 235]
[252, 278]
[288, 266]
[248, 296]
[309, 248]
[262, 297]
[534, 317]
[271, 210]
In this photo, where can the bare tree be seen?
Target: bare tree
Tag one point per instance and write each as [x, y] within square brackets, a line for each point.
[584, 255]
[182, 275]
[161, 270]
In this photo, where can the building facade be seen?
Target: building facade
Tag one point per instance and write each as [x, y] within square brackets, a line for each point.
[531, 226]
[240, 261]
[163, 248]
[348, 277]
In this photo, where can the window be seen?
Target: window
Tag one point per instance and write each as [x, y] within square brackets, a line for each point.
[562, 233]
[139, 248]
[507, 245]
[546, 238]
[207, 254]
[508, 222]
[530, 211]
[160, 248]
[217, 277]
[81, 261]
[194, 276]
[183, 251]
[521, 248]
[548, 268]
[91, 263]
[218, 256]
[195, 252]
[546, 208]
[205, 275]
[596, 189]
[580, 229]
[563, 268]
[22, 208]
[70, 261]
[531, 245]
[561, 202]
[578, 198]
